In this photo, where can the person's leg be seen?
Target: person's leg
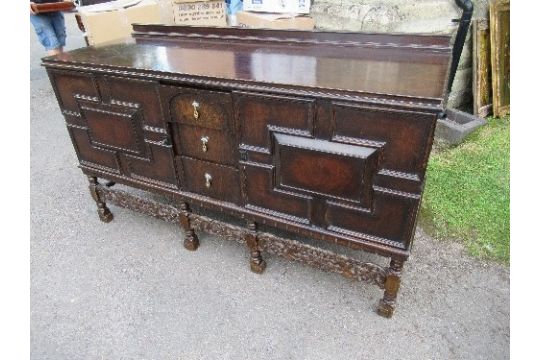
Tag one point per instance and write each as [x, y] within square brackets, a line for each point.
[59, 27]
[45, 33]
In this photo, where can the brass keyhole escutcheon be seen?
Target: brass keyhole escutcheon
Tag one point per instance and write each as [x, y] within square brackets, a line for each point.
[204, 141]
[195, 105]
[208, 180]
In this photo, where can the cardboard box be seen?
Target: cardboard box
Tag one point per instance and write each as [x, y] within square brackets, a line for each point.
[205, 13]
[274, 21]
[278, 6]
[111, 21]
[166, 11]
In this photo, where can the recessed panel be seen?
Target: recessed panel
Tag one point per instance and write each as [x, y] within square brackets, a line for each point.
[90, 154]
[115, 130]
[262, 195]
[159, 167]
[142, 93]
[68, 84]
[405, 135]
[325, 168]
[391, 219]
[258, 113]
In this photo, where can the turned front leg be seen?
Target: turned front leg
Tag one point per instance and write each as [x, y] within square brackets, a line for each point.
[256, 262]
[191, 241]
[391, 288]
[104, 213]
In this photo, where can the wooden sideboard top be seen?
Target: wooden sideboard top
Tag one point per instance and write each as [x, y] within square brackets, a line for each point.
[410, 67]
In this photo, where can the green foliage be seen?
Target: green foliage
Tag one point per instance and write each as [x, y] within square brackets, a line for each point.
[467, 193]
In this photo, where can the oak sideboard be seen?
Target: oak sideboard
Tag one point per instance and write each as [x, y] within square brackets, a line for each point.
[322, 135]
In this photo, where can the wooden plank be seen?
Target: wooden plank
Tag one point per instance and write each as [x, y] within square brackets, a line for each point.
[482, 100]
[499, 13]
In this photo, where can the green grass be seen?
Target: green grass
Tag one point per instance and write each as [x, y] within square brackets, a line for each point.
[467, 194]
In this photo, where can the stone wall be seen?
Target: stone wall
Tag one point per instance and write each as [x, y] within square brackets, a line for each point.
[404, 16]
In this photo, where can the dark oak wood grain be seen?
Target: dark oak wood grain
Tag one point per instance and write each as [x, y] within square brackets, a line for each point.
[325, 135]
[410, 66]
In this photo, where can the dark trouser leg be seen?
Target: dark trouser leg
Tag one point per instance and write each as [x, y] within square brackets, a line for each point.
[256, 261]
[391, 287]
[104, 213]
[191, 241]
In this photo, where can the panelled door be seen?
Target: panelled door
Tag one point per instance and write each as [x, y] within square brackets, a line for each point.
[343, 167]
[116, 125]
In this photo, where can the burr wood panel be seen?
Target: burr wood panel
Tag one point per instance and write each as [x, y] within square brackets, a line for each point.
[324, 168]
[110, 128]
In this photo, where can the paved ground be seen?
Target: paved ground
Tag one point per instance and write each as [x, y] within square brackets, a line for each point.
[129, 290]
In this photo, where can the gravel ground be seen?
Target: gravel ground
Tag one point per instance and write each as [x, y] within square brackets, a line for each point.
[129, 290]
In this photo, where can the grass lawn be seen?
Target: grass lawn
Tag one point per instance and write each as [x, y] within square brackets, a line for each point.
[467, 194]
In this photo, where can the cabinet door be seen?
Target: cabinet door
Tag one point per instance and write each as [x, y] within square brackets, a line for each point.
[116, 125]
[351, 169]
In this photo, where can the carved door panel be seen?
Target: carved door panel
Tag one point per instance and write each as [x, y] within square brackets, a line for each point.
[259, 118]
[116, 125]
[352, 170]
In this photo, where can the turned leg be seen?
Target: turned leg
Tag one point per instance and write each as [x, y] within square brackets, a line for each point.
[391, 287]
[104, 213]
[191, 241]
[256, 261]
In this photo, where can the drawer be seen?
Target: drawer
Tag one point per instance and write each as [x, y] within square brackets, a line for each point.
[209, 109]
[216, 181]
[206, 144]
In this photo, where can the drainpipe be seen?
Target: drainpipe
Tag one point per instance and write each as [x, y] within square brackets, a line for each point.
[461, 35]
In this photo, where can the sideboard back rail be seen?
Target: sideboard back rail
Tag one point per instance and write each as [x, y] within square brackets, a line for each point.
[436, 43]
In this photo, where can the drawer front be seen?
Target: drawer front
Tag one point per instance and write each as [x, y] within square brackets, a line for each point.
[216, 181]
[206, 144]
[204, 108]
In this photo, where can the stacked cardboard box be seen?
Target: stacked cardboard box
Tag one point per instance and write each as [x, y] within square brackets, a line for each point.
[111, 21]
[278, 6]
[276, 14]
[197, 12]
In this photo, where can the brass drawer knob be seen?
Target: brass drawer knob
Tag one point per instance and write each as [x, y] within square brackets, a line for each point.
[204, 141]
[208, 180]
[195, 105]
